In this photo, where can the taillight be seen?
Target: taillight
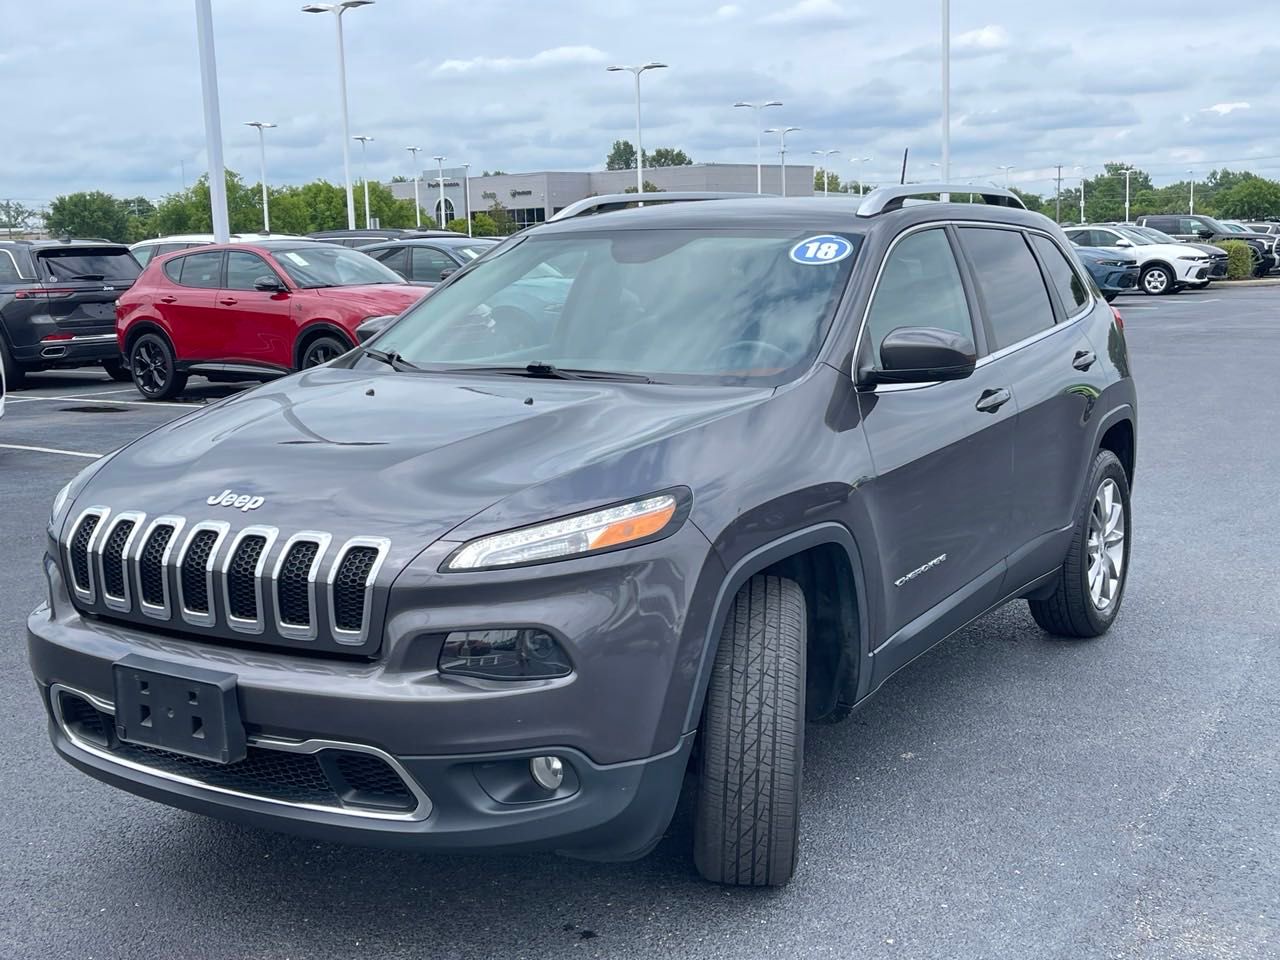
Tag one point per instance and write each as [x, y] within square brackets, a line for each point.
[33, 293]
[56, 336]
[1119, 319]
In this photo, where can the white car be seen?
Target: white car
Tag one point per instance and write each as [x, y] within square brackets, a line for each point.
[1166, 267]
[144, 250]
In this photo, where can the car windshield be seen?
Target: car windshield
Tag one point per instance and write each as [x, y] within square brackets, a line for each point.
[731, 306]
[469, 252]
[82, 264]
[1156, 235]
[329, 265]
[1135, 236]
[1216, 225]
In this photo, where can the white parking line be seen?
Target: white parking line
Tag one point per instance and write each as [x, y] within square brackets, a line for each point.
[65, 453]
[97, 399]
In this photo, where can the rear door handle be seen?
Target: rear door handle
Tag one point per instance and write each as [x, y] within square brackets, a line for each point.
[229, 301]
[168, 299]
[993, 400]
[1084, 359]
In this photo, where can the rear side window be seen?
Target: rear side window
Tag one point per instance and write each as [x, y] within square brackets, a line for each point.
[397, 258]
[200, 270]
[8, 268]
[144, 254]
[79, 263]
[1163, 224]
[1013, 291]
[1071, 289]
[919, 287]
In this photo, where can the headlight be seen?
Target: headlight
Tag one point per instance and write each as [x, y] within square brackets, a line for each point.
[1194, 259]
[1114, 263]
[67, 495]
[627, 524]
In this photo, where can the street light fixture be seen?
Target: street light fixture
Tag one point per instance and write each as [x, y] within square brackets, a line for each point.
[1128, 172]
[466, 195]
[262, 150]
[757, 107]
[825, 178]
[417, 203]
[862, 186]
[338, 9]
[652, 65]
[364, 175]
[1006, 168]
[782, 152]
[1192, 209]
[1080, 170]
[441, 213]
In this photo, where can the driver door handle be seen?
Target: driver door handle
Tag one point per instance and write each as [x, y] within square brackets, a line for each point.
[229, 301]
[993, 400]
[1084, 359]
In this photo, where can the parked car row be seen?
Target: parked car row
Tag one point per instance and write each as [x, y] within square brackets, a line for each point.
[1163, 264]
[1197, 228]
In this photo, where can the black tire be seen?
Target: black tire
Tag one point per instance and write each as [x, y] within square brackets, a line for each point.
[14, 375]
[1110, 297]
[1156, 280]
[748, 811]
[154, 368]
[321, 350]
[117, 370]
[1068, 609]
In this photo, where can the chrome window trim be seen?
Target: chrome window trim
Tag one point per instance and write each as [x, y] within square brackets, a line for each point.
[294, 631]
[221, 528]
[421, 812]
[356, 637]
[123, 603]
[88, 594]
[240, 624]
[164, 612]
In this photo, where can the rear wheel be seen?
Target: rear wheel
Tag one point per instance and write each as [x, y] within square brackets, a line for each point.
[748, 811]
[322, 350]
[117, 370]
[13, 374]
[154, 368]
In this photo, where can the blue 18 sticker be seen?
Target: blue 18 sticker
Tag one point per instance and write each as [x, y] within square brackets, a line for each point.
[824, 249]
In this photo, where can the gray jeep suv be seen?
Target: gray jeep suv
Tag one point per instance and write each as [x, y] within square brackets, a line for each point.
[498, 578]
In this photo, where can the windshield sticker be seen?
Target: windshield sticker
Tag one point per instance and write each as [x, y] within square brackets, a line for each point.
[297, 258]
[823, 249]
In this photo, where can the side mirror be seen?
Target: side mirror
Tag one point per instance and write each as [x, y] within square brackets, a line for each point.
[448, 272]
[1204, 234]
[269, 285]
[1122, 242]
[370, 328]
[923, 355]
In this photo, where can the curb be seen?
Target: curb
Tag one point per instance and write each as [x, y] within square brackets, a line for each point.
[1258, 282]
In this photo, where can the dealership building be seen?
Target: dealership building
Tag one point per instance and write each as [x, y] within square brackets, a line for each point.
[531, 198]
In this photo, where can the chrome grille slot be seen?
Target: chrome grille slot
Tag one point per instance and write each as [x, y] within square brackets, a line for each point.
[242, 578]
[195, 572]
[84, 535]
[112, 549]
[350, 587]
[297, 570]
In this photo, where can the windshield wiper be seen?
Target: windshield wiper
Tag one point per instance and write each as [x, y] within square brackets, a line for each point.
[88, 276]
[390, 358]
[539, 370]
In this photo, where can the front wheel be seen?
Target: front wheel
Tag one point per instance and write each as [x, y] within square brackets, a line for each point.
[1156, 280]
[1086, 596]
[748, 812]
[322, 350]
[154, 368]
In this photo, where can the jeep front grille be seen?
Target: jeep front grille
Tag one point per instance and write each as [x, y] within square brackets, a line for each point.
[204, 575]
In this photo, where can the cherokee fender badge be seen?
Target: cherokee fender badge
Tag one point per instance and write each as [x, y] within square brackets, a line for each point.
[242, 502]
[919, 570]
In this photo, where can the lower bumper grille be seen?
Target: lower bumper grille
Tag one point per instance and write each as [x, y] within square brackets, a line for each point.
[317, 775]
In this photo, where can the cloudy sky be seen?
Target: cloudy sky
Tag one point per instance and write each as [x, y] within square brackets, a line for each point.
[107, 95]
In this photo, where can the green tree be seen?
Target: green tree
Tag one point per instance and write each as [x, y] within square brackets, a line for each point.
[15, 217]
[667, 157]
[494, 173]
[457, 225]
[1249, 199]
[191, 210]
[621, 157]
[484, 225]
[1032, 201]
[832, 179]
[648, 188]
[503, 225]
[88, 214]
[383, 204]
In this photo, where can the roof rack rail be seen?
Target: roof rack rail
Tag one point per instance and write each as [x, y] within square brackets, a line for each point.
[620, 201]
[886, 199]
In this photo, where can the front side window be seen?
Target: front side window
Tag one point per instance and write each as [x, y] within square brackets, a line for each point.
[1071, 289]
[679, 305]
[394, 258]
[200, 270]
[329, 265]
[920, 286]
[430, 264]
[77, 263]
[1013, 291]
[244, 269]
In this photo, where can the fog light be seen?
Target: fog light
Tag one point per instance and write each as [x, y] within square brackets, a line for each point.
[525, 654]
[547, 772]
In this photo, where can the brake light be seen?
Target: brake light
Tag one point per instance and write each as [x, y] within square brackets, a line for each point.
[32, 293]
[1119, 319]
[56, 336]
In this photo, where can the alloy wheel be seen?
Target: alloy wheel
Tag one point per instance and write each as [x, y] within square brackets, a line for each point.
[1155, 281]
[1106, 546]
[150, 367]
[322, 351]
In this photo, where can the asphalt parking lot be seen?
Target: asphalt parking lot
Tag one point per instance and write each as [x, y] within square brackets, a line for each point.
[1004, 797]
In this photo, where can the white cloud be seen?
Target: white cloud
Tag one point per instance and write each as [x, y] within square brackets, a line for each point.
[811, 12]
[546, 58]
[986, 39]
[728, 11]
[1222, 109]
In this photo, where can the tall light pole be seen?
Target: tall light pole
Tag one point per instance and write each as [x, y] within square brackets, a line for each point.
[946, 96]
[652, 65]
[212, 121]
[862, 183]
[1128, 172]
[466, 194]
[1006, 168]
[338, 9]
[262, 151]
[756, 108]
[440, 163]
[782, 152]
[417, 203]
[825, 177]
[1192, 208]
[364, 175]
[1082, 181]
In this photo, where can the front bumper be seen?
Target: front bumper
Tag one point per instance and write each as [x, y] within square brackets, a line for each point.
[1190, 271]
[1114, 280]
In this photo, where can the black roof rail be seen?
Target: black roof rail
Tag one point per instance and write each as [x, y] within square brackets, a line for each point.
[620, 201]
[886, 199]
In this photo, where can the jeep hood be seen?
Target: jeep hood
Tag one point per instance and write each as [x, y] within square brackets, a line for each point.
[411, 456]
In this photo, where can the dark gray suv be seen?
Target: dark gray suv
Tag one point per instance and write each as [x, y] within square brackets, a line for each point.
[498, 578]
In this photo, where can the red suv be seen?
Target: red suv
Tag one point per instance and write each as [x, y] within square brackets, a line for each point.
[250, 311]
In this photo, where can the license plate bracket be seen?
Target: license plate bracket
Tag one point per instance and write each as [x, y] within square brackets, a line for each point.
[179, 708]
